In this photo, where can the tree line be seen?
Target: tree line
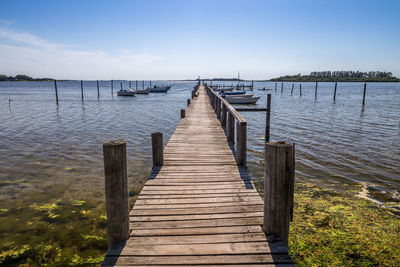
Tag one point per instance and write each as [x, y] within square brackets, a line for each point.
[21, 77]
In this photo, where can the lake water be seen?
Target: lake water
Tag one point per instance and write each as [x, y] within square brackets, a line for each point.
[44, 146]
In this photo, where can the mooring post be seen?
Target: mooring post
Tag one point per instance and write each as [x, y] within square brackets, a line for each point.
[157, 149]
[241, 145]
[334, 92]
[130, 84]
[81, 90]
[116, 182]
[276, 85]
[182, 113]
[150, 83]
[55, 88]
[268, 119]
[98, 89]
[112, 87]
[192, 93]
[281, 87]
[300, 90]
[278, 188]
[218, 108]
[365, 91]
[231, 127]
[316, 89]
[291, 92]
[143, 84]
[136, 85]
[120, 85]
[252, 85]
[188, 102]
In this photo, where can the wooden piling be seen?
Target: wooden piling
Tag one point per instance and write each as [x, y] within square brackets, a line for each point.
[136, 85]
[365, 91]
[157, 149]
[300, 91]
[55, 88]
[218, 108]
[291, 92]
[143, 84]
[81, 90]
[150, 83]
[182, 113]
[281, 87]
[241, 145]
[223, 115]
[278, 188]
[188, 102]
[334, 92]
[120, 85]
[130, 84]
[231, 127]
[116, 183]
[112, 87]
[276, 85]
[316, 89]
[98, 89]
[268, 118]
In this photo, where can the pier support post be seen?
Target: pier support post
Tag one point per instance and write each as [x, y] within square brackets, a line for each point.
[223, 115]
[300, 90]
[81, 90]
[130, 86]
[218, 108]
[157, 149]
[241, 145]
[231, 127]
[188, 102]
[282, 88]
[268, 119]
[334, 92]
[291, 92]
[276, 85]
[278, 188]
[365, 91]
[55, 88]
[316, 90]
[112, 87]
[182, 113]
[116, 182]
[98, 89]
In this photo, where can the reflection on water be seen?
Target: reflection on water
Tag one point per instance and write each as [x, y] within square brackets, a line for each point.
[337, 142]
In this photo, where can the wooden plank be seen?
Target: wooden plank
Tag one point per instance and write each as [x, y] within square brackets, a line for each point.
[136, 218]
[197, 231]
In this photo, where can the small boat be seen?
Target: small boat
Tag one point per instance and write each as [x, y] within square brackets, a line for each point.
[233, 93]
[159, 89]
[143, 92]
[242, 100]
[222, 89]
[126, 92]
[238, 96]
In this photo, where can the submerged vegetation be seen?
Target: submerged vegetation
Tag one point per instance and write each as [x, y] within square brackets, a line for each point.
[340, 229]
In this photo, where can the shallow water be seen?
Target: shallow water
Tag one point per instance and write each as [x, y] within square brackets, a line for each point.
[337, 143]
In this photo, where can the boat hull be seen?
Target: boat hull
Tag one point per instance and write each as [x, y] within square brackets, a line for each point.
[243, 100]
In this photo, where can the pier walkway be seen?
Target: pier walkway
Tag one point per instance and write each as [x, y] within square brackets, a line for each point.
[200, 208]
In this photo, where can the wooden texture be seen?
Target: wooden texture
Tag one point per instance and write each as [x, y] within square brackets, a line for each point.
[98, 89]
[334, 92]
[268, 118]
[157, 148]
[200, 207]
[182, 113]
[364, 93]
[55, 88]
[81, 90]
[278, 188]
[116, 182]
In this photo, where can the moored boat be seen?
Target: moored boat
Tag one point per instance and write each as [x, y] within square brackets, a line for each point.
[242, 100]
[126, 92]
[159, 89]
[233, 93]
[143, 92]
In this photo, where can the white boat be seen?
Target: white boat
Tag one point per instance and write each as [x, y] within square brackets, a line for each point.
[126, 92]
[143, 92]
[238, 96]
[242, 100]
[159, 89]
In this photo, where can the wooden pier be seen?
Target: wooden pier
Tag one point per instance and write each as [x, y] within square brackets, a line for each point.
[200, 207]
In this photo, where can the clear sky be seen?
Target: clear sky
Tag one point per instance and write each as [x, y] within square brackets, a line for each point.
[94, 39]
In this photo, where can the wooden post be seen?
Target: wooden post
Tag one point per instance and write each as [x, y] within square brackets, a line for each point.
[182, 113]
[130, 84]
[157, 149]
[252, 85]
[281, 87]
[150, 83]
[334, 92]
[223, 115]
[82, 90]
[268, 119]
[291, 92]
[143, 84]
[278, 188]
[231, 127]
[218, 108]
[241, 145]
[98, 89]
[365, 91]
[316, 89]
[136, 85]
[300, 90]
[120, 85]
[55, 88]
[112, 87]
[116, 182]
[188, 102]
[192, 94]
[276, 85]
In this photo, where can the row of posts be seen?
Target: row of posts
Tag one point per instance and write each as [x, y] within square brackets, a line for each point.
[278, 183]
[98, 88]
[316, 91]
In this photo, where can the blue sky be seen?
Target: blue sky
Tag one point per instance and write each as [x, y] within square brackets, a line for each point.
[183, 39]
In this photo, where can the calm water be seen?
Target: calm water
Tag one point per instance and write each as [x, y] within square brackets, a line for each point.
[42, 145]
